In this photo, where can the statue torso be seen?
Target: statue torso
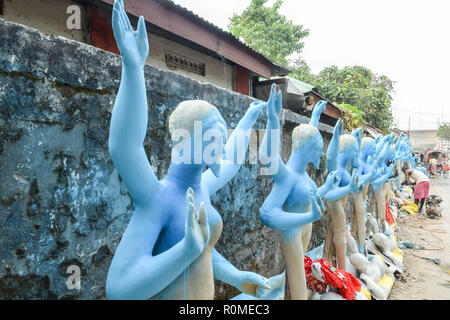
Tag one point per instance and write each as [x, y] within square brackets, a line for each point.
[196, 281]
[298, 199]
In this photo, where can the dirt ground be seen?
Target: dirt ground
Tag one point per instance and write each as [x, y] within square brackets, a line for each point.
[423, 279]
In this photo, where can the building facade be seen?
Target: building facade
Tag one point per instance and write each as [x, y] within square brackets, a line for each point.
[179, 40]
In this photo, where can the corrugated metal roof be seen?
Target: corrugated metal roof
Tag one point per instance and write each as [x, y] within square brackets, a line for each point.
[281, 70]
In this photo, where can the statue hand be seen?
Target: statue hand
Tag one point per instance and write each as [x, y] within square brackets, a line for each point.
[250, 282]
[274, 104]
[197, 229]
[255, 109]
[333, 180]
[320, 106]
[133, 45]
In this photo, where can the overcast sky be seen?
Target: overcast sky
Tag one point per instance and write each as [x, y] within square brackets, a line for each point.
[406, 40]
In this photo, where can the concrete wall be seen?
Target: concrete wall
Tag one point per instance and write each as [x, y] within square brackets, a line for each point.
[62, 201]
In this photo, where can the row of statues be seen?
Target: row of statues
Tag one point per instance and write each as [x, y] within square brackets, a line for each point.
[167, 250]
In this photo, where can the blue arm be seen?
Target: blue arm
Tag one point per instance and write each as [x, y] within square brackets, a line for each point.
[235, 150]
[338, 193]
[333, 147]
[317, 112]
[226, 272]
[331, 183]
[274, 217]
[129, 116]
[269, 151]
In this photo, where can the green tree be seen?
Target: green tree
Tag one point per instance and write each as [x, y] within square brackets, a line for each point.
[267, 31]
[360, 87]
[302, 72]
[353, 117]
[444, 131]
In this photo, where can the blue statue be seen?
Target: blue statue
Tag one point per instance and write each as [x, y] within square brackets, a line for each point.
[366, 173]
[343, 151]
[294, 201]
[380, 184]
[167, 250]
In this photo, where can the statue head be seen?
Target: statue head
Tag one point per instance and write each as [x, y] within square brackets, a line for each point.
[349, 149]
[198, 134]
[368, 146]
[306, 139]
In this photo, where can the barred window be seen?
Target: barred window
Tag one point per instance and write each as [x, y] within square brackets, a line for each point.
[177, 61]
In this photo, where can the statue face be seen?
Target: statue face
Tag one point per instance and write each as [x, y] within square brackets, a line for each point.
[204, 145]
[316, 150]
[213, 142]
[312, 150]
[351, 153]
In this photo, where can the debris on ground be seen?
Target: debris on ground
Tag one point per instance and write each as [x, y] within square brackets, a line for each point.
[409, 245]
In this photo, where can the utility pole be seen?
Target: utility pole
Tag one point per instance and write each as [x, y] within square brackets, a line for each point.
[409, 125]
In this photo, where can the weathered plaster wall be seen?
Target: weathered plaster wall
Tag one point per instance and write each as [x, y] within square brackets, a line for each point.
[48, 16]
[217, 72]
[61, 200]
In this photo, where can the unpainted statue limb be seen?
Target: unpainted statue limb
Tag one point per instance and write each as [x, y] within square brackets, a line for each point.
[129, 117]
[359, 224]
[339, 226]
[295, 267]
[380, 199]
[233, 149]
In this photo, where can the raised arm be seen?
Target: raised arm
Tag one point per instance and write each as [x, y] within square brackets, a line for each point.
[333, 147]
[235, 150]
[269, 151]
[129, 116]
[317, 112]
[357, 133]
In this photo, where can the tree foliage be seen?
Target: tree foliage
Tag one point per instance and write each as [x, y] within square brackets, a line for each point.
[444, 131]
[352, 116]
[360, 87]
[357, 86]
[364, 95]
[267, 31]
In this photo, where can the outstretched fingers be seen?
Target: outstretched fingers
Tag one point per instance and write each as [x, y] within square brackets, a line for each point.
[123, 16]
[117, 24]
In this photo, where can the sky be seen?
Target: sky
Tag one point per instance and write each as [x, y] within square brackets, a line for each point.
[406, 40]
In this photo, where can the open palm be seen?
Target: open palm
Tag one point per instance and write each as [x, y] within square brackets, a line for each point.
[133, 45]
